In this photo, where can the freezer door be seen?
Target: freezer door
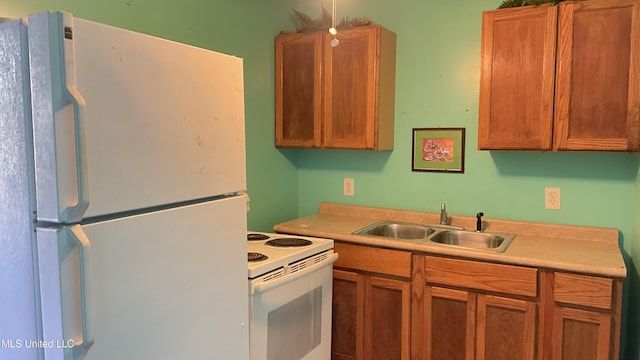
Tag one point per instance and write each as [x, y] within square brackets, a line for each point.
[163, 285]
[125, 121]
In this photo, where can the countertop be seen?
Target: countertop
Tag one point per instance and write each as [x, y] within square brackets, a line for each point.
[590, 250]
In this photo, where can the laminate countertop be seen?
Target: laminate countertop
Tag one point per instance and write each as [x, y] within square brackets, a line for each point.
[580, 249]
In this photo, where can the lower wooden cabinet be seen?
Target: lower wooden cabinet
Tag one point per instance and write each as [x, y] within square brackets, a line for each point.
[371, 311]
[387, 309]
[394, 305]
[581, 335]
[450, 324]
[462, 322]
[347, 328]
[465, 325]
[506, 328]
[586, 317]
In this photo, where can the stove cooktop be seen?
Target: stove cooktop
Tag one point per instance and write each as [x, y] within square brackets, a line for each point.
[267, 251]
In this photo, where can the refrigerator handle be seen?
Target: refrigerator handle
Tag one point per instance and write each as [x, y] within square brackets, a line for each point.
[79, 238]
[77, 211]
[71, 94]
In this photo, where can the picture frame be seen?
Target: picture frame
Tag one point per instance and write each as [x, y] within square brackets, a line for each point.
[438, 149]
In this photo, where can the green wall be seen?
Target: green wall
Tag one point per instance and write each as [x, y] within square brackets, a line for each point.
[437, 80]
[437, 83]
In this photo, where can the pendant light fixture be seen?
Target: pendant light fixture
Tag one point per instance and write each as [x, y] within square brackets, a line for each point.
[333, 31]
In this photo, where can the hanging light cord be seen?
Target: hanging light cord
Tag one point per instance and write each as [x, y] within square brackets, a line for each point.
[333, 16]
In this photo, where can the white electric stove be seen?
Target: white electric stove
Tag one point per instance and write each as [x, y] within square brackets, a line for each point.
[290, 291]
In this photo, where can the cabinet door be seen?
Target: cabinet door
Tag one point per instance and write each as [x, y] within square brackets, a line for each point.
[450, 324]
[517, 78]
[581, 335]
[387, 319]
[298, 90]
[586, 317]
[506, 328]
[598, 85]
[347, 316]
[350, 89]
[359, 89]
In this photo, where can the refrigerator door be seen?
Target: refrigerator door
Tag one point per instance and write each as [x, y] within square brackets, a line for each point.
[165, 285]
[125, 121]
[18, 318]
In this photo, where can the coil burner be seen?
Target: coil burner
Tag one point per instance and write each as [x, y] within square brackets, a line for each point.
[256, 237]
[288, 242]
[255, 256]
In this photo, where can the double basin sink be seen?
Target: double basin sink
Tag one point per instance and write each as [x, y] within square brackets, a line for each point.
[439, 234]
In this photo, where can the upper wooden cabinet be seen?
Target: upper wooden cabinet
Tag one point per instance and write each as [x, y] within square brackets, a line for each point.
[336, 97]
[562, 77]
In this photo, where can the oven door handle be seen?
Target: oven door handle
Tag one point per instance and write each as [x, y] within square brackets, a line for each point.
[262, 287]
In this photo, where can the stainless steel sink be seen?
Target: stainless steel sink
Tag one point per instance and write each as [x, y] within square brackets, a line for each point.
[446, 235]
[397, 230]
[473, 239]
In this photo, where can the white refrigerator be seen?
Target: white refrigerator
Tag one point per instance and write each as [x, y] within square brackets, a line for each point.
[122, 178]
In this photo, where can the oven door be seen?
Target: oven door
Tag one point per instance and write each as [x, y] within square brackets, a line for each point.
[290, 316]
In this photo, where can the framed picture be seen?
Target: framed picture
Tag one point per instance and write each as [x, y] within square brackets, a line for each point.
[438, 149]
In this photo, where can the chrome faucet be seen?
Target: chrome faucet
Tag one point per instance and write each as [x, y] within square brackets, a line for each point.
[443, 214]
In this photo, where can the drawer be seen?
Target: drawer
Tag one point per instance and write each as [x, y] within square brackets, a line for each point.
[508, 279]
[371, 259]
[583, 290]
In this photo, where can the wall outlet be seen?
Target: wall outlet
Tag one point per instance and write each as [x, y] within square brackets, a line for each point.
[552, 198]
[348, 188]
